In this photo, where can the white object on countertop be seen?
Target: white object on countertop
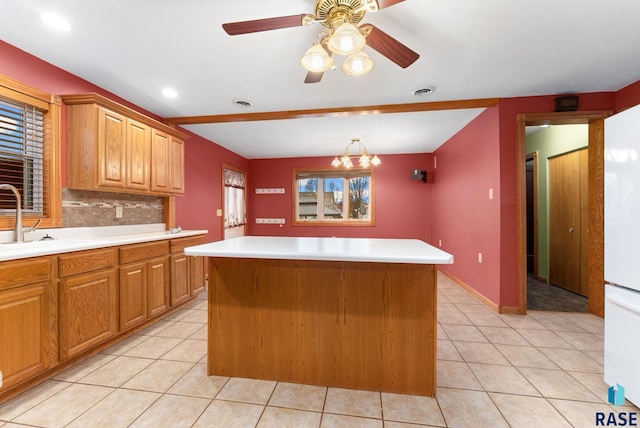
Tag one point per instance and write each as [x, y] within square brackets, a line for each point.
[330, 249]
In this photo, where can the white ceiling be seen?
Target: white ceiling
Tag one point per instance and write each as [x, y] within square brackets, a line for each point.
[469, 49]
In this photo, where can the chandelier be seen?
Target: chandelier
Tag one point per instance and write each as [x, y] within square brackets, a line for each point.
[365, 160]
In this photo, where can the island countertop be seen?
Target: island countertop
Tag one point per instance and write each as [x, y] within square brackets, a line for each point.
[379, 250]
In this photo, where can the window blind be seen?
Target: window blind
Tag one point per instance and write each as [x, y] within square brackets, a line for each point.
[22, 156]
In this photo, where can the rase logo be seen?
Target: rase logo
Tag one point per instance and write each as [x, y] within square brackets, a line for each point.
[613, 419]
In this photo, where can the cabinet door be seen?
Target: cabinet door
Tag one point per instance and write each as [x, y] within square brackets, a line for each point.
[160, 162]
[133, 295]
[138, 155]
[24, 318]
[158, 286]
[87, 314]
[112, 136]
[176, 151]
[179, 279]
[196, 275]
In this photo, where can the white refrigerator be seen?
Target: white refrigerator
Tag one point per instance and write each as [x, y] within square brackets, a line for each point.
[622, 252]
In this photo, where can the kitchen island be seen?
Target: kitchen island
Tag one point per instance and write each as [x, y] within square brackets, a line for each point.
[343, 312]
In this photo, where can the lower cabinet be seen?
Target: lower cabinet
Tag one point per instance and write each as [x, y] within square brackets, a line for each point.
[133, 295]
[144, 282]
[46, 318]
[180, 290]
[196, 274]
[24, 318]
[158, 286]
[187, 272]
[25, 332]
[87, 311]
[87, 300]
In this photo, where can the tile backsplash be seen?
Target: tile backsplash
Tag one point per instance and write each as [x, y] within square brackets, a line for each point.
[85, 208]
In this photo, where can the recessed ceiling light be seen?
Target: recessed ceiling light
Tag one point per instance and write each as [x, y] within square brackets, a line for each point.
[169, 93]
[423, 91]
[56, 22]
[242, 103]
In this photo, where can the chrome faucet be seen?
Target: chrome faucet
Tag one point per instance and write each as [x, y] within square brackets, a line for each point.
[18, 232]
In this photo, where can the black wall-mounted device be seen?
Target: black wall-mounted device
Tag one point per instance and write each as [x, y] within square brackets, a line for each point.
[417, 174]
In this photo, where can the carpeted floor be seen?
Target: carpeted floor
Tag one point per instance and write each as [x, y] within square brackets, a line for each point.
[546, 297]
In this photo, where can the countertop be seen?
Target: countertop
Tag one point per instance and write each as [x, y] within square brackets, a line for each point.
[87, 238]
[329, 249]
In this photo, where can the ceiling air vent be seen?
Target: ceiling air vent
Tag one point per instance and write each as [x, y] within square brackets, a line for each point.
[242, 103]
[423, 92]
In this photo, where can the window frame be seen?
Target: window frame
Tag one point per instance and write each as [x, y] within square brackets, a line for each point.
[296, 221]
[13, 91]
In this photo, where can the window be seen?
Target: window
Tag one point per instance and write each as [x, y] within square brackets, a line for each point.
[333, 197]
[29, 154]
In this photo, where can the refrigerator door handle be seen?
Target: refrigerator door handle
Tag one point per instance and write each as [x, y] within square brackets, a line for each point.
[624, 304]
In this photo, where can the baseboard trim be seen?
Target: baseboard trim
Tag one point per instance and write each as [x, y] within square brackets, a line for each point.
[500, 309]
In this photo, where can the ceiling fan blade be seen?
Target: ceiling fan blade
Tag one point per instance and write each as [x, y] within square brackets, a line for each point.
[387, 3]
[245, 27]
[390, 47]
[314, 76]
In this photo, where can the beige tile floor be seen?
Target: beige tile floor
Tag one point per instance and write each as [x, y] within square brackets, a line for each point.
[540, 370]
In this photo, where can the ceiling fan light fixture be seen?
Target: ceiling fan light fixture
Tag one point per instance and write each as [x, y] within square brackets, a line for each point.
[346, 39]
[357, 64]
[316, 59]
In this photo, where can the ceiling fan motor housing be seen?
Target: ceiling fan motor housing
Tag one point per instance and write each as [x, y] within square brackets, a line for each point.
[332, 13]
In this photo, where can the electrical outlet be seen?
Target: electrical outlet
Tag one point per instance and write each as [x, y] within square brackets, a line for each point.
[439, 242]
[0, 378]
[491, 193]
[118, 212]
[479, 257]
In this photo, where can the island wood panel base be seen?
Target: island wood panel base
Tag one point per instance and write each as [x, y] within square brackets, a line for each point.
[369, 326]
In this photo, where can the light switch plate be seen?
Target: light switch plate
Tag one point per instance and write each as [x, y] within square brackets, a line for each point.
[118, 212]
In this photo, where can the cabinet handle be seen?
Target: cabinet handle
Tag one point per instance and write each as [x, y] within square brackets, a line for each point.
[571, 229]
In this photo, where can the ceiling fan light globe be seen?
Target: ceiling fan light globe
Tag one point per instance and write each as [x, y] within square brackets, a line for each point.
[346, 39]
[357, 64]
[316, 59]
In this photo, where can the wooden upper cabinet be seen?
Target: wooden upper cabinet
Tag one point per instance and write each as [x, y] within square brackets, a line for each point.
[114, 148]
[176, 151]
[167, 160]
[138, 155]
[111, 136]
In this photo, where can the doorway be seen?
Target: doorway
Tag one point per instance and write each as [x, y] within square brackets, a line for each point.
[594, 204]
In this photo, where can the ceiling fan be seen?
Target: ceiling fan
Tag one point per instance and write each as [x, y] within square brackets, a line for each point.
[342, 36]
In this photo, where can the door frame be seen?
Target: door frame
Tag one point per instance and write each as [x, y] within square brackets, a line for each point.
[595, 120]
[533, 156]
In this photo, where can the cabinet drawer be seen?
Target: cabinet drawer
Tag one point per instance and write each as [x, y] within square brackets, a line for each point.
[180, 244]
[23, 272]
[137, 252]
[85, 261]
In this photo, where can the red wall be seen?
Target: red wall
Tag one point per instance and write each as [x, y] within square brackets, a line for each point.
[203, 185]
[483, 155]
[203, 159]
[464, 218]
[403, 206]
